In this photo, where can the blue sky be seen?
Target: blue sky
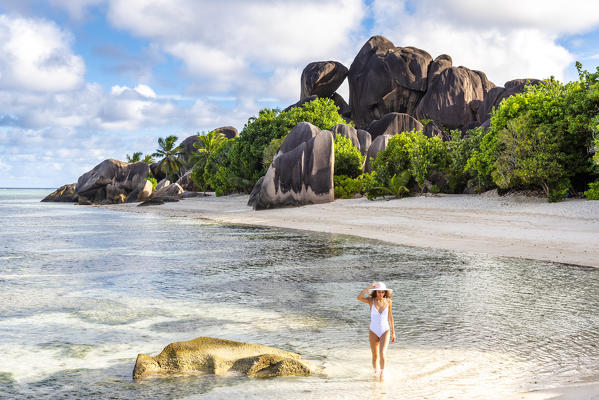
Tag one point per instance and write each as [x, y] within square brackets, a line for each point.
[82, 81]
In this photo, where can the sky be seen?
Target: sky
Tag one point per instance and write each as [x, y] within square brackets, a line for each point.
[86, 80]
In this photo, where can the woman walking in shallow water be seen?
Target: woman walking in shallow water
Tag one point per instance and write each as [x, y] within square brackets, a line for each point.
[381, 323]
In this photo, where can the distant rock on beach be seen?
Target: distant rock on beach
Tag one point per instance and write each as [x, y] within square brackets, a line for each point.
[301, 172]
[218, 356]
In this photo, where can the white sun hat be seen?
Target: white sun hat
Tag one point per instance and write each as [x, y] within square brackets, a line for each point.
[380, 286]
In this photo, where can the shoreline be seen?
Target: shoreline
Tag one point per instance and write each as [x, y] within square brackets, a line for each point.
[510, 226]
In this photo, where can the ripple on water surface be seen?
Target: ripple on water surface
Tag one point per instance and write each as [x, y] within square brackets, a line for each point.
[83, 290]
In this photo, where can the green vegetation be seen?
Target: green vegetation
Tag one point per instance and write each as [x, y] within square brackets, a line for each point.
[348, 159]
[148, 159]
[593, 192]
[170, 162]
[247, 155]
[135, 157]
[206, 146]
[347, 187]
[543, 138]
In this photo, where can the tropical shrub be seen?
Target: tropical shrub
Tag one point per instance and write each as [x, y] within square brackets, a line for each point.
[347, 187]
[271, 150]
[593, 191]
[348, 159]
[393, 160]
[459, 150]
[217, 171]
[541, 138]
[247, 154]
[207, 145]
[398, 187]
[426, 155]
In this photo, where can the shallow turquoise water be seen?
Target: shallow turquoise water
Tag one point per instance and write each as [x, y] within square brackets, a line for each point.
[84, 290]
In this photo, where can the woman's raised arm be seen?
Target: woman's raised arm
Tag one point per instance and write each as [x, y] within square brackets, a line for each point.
[363, 292]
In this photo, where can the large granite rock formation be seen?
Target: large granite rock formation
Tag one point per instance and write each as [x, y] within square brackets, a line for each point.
[365, 139]
[230, 132]
[384, 78]
[301, 172]
[498, 93]
[186, 183]
[454, 96]
[112, 181]
[172, 190]
[379, 144]
[393, 123]
[218, 356]
[64, 193]
[157, 172]
[322, 78]
[349, 132]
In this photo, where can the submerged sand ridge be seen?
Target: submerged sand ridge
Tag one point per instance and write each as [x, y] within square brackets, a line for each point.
[517, 226]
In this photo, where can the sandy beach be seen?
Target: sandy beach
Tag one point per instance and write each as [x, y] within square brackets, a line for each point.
[514, 226]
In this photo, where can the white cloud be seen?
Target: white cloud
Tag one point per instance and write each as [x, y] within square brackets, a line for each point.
[237, 45]
[36, 55]
[506, 40]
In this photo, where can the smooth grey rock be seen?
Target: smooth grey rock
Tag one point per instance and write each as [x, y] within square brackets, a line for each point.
[301, 172]
[454, 96]
[349, 132]
[112, 181]
[340, 102]
[496, 95]
[378, 144]
[188, 195]
[322, 78]
[187, 146]
[186, 183]
[230, 132]
[392, 124]
[384, 78]
[172, 190]
[433, 129]
[65, 194]
[162, 184]
[365, 140]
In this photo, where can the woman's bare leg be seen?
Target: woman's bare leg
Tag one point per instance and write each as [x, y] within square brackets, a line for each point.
[384, 343]
[374, 347]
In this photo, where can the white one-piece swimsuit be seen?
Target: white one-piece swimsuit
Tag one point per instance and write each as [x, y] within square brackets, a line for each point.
[379, 321]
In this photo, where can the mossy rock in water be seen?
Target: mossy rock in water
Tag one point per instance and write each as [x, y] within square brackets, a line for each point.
[218, 356]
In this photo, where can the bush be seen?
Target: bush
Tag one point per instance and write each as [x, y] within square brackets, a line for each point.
[460, 149]
[425, 156]
[271, 150]
[593, 192]
[247, 155]
[413, 152]
[348, 159]
[542, 137]
[347, 187]
[397, 187]
[217, 172]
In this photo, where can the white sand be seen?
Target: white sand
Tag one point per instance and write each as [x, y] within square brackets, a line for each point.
[517, 226]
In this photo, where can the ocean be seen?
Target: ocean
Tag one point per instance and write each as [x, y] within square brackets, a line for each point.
[83, 290]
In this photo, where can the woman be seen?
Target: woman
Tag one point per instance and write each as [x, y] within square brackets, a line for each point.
[381, 323]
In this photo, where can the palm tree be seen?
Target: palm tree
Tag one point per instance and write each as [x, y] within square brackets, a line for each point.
[206, 145]
[135, 157]
[149, 159]
[170, 161]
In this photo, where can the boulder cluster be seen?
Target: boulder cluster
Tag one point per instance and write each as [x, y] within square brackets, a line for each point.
[114, 182]
[391, 90]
